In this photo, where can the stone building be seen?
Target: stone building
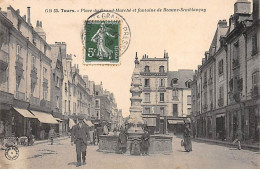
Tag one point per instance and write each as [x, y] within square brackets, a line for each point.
[106, 110]
[230, 103]
[165, 94]
[58, 53]
[25, 76]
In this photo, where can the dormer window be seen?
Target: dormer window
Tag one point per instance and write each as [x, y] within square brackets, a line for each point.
[188, 83]
[146, 69]
[161, 69]
[174, 81]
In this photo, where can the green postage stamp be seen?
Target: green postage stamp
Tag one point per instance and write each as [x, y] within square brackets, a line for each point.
[106, 37]
[102, 41]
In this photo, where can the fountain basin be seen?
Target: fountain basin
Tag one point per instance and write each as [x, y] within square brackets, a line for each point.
[159, 144]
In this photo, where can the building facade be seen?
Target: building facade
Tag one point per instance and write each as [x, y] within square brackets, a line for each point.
[233, 103]
[40, 88]
[26, 72]
[166, 96]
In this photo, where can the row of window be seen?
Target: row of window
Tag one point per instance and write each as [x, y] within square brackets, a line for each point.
[147, 69]
[150, 110]
[175, 94]
[147, 83]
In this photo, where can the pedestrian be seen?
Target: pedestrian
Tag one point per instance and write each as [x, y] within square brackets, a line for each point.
[122, 141]
[145, 144]
[51, 135]
[30, 137]
[187, 138]
[95, 136]
[238, 139]
[79, 135]
[105, 130]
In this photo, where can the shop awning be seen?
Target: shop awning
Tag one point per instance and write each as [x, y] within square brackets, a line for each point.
[71, 123]
[175, 121]
[89, 123]
[151, 122]
[45, 117]
[25, 113]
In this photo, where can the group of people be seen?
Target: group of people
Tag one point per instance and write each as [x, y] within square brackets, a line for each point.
[80, 135]
[144, 143]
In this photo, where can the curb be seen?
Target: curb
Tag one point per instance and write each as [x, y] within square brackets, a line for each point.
[244, 146]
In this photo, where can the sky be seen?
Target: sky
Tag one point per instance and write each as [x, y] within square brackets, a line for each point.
[184, 35]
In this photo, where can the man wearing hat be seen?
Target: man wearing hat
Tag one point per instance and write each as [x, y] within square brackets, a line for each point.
[79, 135]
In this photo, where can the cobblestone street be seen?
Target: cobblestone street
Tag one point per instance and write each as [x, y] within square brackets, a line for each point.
[63, 155]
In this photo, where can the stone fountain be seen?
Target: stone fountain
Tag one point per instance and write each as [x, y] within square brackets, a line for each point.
[135, 120]
[159, 144]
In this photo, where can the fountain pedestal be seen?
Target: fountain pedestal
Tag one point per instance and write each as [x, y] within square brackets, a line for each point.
[160, 144]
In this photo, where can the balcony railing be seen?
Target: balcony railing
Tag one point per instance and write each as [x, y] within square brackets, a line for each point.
[19, 61]
[220, 102]
[254, 91]
[19, 95]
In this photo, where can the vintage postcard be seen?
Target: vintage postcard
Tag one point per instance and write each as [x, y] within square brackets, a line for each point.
[133, 84]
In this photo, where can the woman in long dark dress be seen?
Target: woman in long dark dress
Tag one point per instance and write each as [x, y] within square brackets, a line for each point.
[145, 144]
[122, 141]
[187, 139]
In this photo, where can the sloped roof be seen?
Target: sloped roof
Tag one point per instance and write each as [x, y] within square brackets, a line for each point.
[182, 76]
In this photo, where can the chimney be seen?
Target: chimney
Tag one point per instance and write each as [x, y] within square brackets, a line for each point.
[222, 23]
[242, 10]
[256, 10]
[206, 55]
[242, 7]
[29, 15]
[203, 60]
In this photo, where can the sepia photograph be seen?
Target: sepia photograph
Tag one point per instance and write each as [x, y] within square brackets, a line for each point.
[133, 84]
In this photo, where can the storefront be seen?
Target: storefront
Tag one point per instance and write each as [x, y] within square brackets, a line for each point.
[23, 122]
[220, 126]
[44, 123]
